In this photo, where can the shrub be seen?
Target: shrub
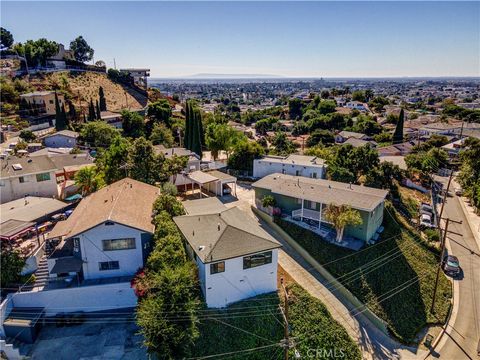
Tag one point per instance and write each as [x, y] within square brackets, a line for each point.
[268, 200]
[433, 235]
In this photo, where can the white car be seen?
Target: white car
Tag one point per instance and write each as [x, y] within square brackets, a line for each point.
[426, 220]
[458, 191]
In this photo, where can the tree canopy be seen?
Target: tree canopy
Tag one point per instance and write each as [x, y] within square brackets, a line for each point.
[6, 38]
[81, 50]
[36, 52]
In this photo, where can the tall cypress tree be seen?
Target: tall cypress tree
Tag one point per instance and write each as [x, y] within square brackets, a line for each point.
[59, 118]
[99, 113]
[103, 101]
[397, 137]
[64, 117]
[187, 136]
[196, 138]
[91, 111]
[72, 112]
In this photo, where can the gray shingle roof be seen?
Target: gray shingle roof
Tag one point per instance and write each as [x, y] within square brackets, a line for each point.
[29, 165]
[67, 133]
[224, 235]
[323, 191]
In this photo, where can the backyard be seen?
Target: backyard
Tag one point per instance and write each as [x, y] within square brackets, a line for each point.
[394, 278]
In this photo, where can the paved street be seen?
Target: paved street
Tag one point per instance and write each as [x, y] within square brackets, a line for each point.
[462, 337]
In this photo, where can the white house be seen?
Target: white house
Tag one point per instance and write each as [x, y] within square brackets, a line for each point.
[343, 136]
[61, 139]
[298, 165]
[236, 258]
[108, 234]
[24, 176]
[356, 105]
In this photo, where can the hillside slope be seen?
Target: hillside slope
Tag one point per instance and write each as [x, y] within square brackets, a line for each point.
[81, 87]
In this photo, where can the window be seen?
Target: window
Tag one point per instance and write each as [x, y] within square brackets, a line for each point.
[257, 260]
[297, 172]
[217, 267]
[76, 244]
[313, 205]
[299, 201]
[314, 175]
[118, 244]
[21, 179]
[50, 101]
[108, 265]
[43, 177]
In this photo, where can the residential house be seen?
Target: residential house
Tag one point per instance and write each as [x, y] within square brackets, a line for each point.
[440, 128]
[112, 118]
[236, 258]
[359, 142]
[61, 139]
[453, 148]
[298, 165]
[22, 176]
[343, 136]
[43, 102]
[401, 149]
[139, 76]
[302, 199]
[193, 162]
[108, 234]
[356, 105]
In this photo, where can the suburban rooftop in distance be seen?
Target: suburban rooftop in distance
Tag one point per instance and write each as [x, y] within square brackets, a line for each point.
[323, 191]
[294, 159]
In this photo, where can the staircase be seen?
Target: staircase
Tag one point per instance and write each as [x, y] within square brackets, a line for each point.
[41, 275]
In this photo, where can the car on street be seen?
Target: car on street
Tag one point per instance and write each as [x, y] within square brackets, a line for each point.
[426, 209]
[451, 265]
[426, 221]
[458, 191]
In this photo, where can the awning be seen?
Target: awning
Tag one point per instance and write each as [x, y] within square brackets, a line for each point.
[201, 177]
[67, 265]
[74, 197]
[12, 228]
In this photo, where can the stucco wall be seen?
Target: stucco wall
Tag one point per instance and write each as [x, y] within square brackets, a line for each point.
[236, 283]
[92, 251]
[13, 189]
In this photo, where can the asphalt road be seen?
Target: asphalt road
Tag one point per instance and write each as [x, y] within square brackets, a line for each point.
[462, 338]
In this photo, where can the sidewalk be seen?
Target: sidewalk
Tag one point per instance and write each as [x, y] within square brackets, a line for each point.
[472, 218]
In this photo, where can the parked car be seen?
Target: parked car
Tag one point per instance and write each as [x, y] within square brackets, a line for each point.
[458, 191]
[426, 221]
[451, 265]
[426, 209]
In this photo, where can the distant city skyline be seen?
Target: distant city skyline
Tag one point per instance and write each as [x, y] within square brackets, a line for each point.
[286, 39]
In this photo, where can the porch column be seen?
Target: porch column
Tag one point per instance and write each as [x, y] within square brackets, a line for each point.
[302, 208]
[320, 216]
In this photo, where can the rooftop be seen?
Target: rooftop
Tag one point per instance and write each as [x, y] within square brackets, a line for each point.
[210, 205]
[128, 202]
[38, 93]
[30, 208]
[63, 161]
[18, 166]
[355, 142]
[223, 235]
[67, 133]
[351, 134]
[295, 159]
[323, 191]
[179, 151]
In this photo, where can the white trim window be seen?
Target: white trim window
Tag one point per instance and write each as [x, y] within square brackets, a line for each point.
[118, 244]
[260, 259]
[218, 267]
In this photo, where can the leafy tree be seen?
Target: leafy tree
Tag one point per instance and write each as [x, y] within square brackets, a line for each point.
[89, 179]
[169, 189]
[348, 163]
[12, 265]
[325, 94]
[323, 137]
[243, 155]
[382, 176]
[60, 116]
[103, 101]
[378, 103]
[172, 167]
[295, 108]
[469, 176]
[98, 134]
[36, 52]
[283, 145]
[268, 200]
[341, 216]
[326, 107]
[161, 135]
[222, 137]
[398, 134]
[160, 112]
[145, 164]
[174, 297]
[6, 38]
[168, 203]
[72, 112]
[264, 125]
[27, 135]
[366, 125]
[114, 160]
[81, 50]
[359, 95]
[133, 124]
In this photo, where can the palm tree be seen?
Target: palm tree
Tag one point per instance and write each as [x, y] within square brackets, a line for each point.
[341, 216]
[89, 180]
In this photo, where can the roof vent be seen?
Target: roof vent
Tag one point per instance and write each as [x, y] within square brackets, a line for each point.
[218, 225]
[29, 160]
[17, 167]
[201, 247]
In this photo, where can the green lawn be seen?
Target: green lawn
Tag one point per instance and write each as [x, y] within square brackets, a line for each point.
[403, 262]
[312, 326]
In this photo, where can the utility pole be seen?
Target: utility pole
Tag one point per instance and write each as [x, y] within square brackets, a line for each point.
[285, 343]
[445, 197]
[442, 252]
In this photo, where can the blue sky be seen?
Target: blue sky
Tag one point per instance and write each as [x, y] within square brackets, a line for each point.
[329, 39]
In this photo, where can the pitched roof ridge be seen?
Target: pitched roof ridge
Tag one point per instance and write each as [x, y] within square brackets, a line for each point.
[118, 193]
[218, 239]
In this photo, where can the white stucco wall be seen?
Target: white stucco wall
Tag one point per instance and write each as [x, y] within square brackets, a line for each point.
[12, 188]
[60, 141]
[85, 298]
[92, 251]
[262, 168]
[235, 283]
